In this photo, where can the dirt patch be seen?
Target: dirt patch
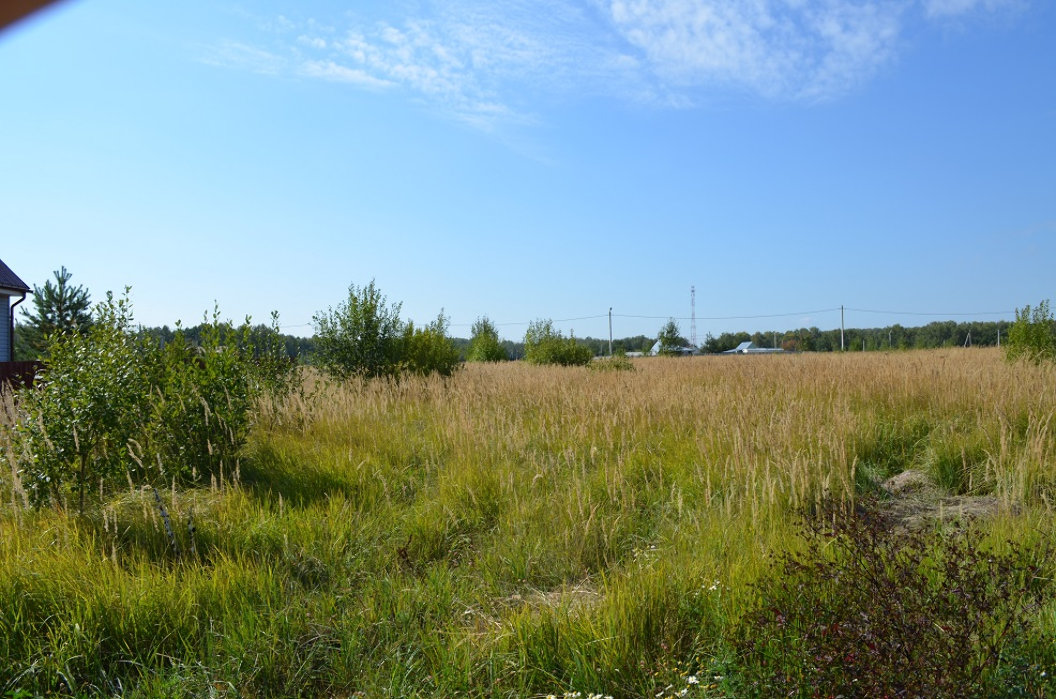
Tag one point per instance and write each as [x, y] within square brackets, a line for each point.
[569, 597]
[488, 620]
[915, 501]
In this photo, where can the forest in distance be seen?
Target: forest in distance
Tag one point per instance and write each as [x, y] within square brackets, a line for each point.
[61, 305]
[947, 333]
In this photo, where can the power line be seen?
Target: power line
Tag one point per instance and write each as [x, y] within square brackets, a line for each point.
[917, 313]
[693, 318]
[529, 322]
[751, 317]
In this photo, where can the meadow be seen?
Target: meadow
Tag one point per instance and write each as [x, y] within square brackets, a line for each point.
[515, 530]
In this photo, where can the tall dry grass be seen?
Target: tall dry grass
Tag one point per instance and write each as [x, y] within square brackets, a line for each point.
[511, 531]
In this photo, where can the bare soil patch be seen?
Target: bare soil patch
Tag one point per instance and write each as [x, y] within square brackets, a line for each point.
[915, 502]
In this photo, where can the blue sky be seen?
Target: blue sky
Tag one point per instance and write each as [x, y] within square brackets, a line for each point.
[541, 159]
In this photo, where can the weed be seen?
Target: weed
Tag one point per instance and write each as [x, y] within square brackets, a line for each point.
[865, 612]
[614, 363]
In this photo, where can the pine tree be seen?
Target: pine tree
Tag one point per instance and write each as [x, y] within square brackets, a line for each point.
[57, 308]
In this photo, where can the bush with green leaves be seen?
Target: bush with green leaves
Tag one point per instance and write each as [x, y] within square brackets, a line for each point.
[484, 345]
[865, 611]
[670, 339]
[429, 349]
[113, 405]
[544, 344]
[204, 395]
[361, 337]
[364, 337]
[89, 401]
[617, 362]
[1033, 335]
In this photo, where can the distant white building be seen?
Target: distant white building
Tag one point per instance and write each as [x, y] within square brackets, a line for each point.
[750, 348]
[677, 351]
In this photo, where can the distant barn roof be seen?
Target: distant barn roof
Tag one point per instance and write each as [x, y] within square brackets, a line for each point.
[10, 280]
[750, 348]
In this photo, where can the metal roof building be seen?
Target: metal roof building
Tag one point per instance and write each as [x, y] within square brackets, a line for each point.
[750, 348]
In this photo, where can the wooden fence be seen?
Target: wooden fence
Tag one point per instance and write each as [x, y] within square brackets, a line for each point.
[18, 374]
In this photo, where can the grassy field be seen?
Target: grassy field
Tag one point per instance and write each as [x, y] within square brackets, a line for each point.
[513, 531]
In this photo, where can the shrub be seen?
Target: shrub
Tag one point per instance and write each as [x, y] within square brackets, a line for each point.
[670, 339]
[204, 395]
[484, 346]
[93, 390]
[110, 402]
[429, 349]
[361, 337]
[543, 344]
[867, 612]
[365, 337]
[617, 362]
[1033, 335]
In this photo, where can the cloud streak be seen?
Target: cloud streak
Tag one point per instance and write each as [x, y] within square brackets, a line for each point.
[777, 49]
[954, 8]
[490, 64]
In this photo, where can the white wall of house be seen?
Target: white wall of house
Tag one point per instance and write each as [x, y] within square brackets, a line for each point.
[5, 328]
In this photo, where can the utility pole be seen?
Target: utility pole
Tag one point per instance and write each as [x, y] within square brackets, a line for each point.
[841, 327]
[889, 338]
[999, 336]
[693, 315]
[610, 331]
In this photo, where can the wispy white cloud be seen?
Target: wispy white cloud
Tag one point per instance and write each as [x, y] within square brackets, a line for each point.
[421, 57]
[777, 48]
[479, 63]
[328, 70]
[246, 57]
[314, 42]
[953, 8]
[489, 63]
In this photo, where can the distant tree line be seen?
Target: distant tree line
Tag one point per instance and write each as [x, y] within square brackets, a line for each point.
[938, 334]
[946, 333]
[62, 307]
[296, 348]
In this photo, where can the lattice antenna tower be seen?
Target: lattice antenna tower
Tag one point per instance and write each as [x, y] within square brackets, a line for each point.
[693, 315]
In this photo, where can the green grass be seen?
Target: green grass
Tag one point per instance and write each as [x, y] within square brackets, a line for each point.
[513, 531]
